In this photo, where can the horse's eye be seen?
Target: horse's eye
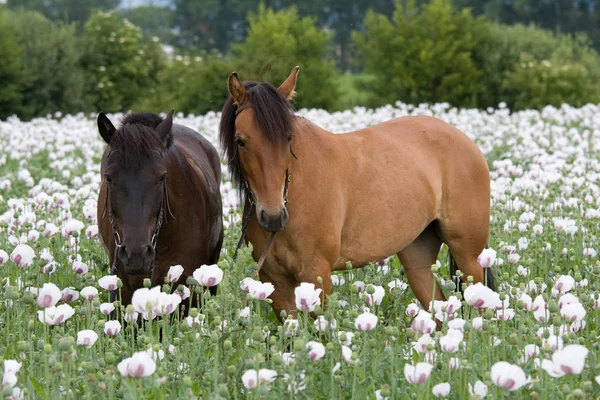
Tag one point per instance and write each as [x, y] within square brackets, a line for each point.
[108, 179]
[289, 138]
[163, 177]
[240, 142]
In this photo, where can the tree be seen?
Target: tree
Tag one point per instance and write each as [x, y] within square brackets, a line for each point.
[557, 16]
[64, 10]
[192, 84]
[121, 64]
[52, 56]
[212, 23]
[12, 68]
[423, 55]
[156, 21]
[278, 41]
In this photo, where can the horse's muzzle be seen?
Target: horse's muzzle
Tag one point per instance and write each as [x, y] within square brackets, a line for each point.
[137, 260]
[273, 222]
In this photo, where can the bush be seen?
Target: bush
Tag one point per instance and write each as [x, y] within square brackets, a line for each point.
[122, 65]
[423, 55]
[12, 68]
[278, 41]
[528, 67]
[438, 55]
[192, 85]
[52, 54]
[534, 84]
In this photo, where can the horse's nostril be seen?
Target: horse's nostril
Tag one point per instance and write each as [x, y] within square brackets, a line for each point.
[123, 253]
[284, 216]
[263, 216]
[149, 252]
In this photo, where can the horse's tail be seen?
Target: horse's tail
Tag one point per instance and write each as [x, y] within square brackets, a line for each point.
[453, 269]
[490, 281]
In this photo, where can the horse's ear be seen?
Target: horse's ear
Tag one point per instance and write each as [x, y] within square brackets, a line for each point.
[288, 88]
[164, 128]
[237, 90]
[106, 128]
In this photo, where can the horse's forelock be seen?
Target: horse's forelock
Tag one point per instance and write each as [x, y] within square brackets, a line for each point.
[274, 115]
[136, 139]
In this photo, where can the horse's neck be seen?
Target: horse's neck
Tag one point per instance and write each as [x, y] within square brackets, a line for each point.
[316, 150]
[311, 138]
[183, 170]
[310, 134]
[175, 174]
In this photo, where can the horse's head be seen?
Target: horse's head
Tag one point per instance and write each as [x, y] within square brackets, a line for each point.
[256, 131]
[134, 171]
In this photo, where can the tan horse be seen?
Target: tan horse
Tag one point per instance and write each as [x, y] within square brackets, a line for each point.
[401, 187]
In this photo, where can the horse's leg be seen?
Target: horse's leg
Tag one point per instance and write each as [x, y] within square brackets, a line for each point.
[417, 259]
[466, 237]
[319, 270]
[283, 296]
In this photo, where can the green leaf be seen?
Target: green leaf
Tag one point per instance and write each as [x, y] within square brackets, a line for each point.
[415, 357]
[37, 386]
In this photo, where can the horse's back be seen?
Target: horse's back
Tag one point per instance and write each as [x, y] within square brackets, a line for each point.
[426, 145]
[415, 131]
[198, 147]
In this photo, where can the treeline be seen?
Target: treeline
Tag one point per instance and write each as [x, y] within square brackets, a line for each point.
[216, 24]
[427, 52]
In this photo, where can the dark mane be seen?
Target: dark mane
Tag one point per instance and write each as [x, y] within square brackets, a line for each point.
[148, 119]
[273, 115]
[136, 137]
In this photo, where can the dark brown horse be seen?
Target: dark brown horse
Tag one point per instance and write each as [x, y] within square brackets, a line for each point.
[401, 187]
[159, 203]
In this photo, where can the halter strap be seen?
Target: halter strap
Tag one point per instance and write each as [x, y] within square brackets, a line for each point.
[248, 214]
[242, 108]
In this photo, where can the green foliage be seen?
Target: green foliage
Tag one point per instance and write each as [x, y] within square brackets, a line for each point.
[423, 55]
[121, 64]
[212, 24]
[532, 84]
[192, 85]
[439, 55]
[353, 90]
[51, 53]
[422, 52]
[278, 41]
[64, 10]
[558, 16]
[567, 68]
[156, 21]
[12, 68]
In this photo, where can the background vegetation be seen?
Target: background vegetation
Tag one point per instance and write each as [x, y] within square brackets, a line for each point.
[93, 56]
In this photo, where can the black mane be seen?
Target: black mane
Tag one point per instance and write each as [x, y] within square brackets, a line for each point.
[149, 119]
[136, 138]
[273, 115]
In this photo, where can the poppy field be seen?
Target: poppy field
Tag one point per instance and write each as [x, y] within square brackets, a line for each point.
[536, 336]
